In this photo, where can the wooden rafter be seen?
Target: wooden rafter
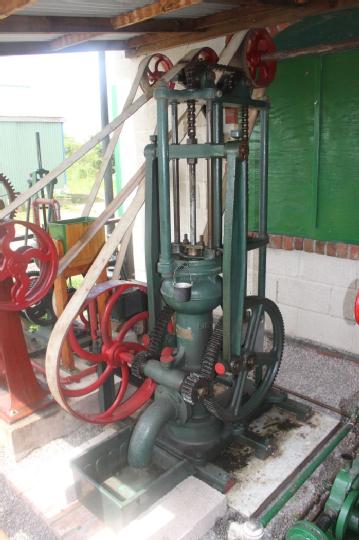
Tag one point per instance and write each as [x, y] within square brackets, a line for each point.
[66, 25]
[234, 20]
[69, 40]
[161, 7]
[7, 7]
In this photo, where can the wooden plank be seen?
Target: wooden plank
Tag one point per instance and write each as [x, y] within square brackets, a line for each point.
[151, 10]
[7, 7]
[67, 25]
[67, 40]
[231, 21]
[122, 253]
[23, 197]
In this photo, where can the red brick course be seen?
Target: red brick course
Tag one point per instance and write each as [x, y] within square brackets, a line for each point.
[331, 249]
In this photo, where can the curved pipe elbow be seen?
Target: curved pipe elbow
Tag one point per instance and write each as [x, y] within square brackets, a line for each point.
[146, 431]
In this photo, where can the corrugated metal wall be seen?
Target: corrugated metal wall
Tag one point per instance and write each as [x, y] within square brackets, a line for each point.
[18, 154]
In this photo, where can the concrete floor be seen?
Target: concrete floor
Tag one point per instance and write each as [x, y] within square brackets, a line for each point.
[329, 378]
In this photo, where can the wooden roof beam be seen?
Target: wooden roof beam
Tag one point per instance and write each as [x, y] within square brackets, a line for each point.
[7, 7]
[69, 40]
[66, 25]
[161, 7]
[233, 20]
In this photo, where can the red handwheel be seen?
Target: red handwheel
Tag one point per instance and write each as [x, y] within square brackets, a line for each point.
[113, 346]
[259, 71]
[356, 308]
[16, 261]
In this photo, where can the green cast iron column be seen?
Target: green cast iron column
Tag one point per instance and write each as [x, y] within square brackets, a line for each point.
[165, 261]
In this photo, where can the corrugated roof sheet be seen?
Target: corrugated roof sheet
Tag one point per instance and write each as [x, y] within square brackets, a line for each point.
[78, 8]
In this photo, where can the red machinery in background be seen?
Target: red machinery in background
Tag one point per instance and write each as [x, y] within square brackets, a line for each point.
[20, 392]
[356, 308]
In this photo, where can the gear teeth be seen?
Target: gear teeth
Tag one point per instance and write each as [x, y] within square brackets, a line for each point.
[137, 364]
[156, 338]
[189, 388]
[11, 193]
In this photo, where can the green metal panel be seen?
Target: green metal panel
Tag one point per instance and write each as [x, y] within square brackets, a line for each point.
[314, 126]
[313, 162]
[338, 193]
[18, 154]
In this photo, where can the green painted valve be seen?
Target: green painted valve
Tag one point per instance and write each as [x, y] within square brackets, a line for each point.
[340, 518]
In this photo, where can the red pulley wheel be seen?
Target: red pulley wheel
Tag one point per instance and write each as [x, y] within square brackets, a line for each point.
[158, 64]
[113, 347]
[15, 263]
[259, 72]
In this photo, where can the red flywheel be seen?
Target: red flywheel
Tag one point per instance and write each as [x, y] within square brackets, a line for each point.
[103, 368]
[157, 65]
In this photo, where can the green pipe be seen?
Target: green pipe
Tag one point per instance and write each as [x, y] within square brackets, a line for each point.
[146, 431]
[303, 477]
[169, 377]
[263, 205]
[217, 175]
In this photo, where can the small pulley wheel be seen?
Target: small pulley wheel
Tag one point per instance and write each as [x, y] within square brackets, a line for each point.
[207, 55]
[99, 392]
[157, 65]
[259, 71]
[259, 362]
[16, 262]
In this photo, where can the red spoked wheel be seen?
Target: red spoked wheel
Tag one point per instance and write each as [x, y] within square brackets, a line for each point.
[110, 356]
[259, 71]
[356, 308]
[207, 55]
[158, 64]
[16, 262]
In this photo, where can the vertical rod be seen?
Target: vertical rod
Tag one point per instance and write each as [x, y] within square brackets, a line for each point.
[263, 201]
[40, 174]
[175, 176]
[104, 121]
[164, 183]
[317, 117]
[217, 175]
[192, 203]
[209, 117]
[191, 130]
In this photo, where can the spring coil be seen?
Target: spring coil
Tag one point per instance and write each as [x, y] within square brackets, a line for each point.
[191, 120]
[244, 128]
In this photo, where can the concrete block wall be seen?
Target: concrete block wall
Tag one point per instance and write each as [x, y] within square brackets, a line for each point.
[315, 294]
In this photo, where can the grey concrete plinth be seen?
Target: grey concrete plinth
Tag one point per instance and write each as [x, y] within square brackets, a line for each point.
[36, 430]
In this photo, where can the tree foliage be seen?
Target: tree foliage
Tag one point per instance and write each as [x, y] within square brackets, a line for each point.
[81, 175]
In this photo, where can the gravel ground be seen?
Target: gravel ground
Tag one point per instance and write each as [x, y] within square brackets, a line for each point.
[328, 378]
